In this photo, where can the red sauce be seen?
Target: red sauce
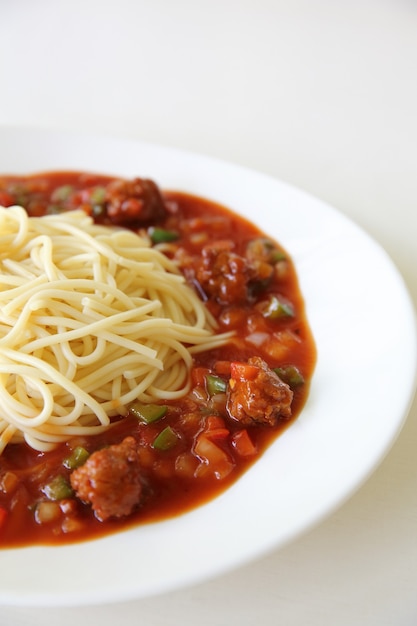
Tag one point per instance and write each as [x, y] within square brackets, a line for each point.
[179, 478]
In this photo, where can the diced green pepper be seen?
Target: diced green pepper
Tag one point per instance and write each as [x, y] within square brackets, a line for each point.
[60, 194]
[58, 489]
[161, 235]
[97, 195]
[275, 308]
[77, 458]
[148, 413]
[290, 375]
[264, 249]
[166, 439]
[215, 384]
[277, 256]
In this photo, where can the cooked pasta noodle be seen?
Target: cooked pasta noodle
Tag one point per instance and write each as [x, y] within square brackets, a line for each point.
[91, 319]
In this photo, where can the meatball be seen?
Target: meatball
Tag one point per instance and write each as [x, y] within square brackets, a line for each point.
[261, 398]
[223, 274]
[110, 480]
[138, 200]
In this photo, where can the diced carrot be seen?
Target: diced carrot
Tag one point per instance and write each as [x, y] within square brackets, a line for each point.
[214, 422]
[243, 371]
[215, 428]
[222, 368]
[198, 376]
[243, 444]
[217, 433]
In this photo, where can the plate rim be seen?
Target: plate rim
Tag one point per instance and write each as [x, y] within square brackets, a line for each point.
[77, 597]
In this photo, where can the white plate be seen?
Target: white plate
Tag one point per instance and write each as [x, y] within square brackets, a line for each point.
[364, 327]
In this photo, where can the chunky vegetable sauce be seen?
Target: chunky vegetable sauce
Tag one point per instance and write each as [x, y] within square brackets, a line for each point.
[164, 459]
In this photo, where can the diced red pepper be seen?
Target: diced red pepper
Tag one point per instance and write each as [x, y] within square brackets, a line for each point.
[243, 371]
[222, 368]
[243, 444]
[215, 428]
[214, 422]
[6, 199]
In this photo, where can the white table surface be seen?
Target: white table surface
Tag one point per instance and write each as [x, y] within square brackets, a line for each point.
[321, 94]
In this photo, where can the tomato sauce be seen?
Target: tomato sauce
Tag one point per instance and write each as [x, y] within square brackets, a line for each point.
[202, 448]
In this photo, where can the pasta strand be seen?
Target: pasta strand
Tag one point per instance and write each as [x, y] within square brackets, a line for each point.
[91, 319]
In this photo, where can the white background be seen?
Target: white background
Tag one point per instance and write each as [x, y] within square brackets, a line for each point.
[321, 94]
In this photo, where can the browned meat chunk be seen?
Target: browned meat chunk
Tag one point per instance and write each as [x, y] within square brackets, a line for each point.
[258, 395]
[223, 274]
[110, 480]
[138, 200]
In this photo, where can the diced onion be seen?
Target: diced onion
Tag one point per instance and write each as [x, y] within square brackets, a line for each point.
[47, 512]
[257, 339]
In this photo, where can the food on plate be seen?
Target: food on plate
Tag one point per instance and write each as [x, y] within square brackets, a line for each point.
[152, 345]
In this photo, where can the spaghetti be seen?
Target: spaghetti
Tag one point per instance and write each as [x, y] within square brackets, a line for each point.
[91, 319]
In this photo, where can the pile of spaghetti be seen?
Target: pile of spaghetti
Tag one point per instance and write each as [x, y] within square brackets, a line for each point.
[91, 319]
